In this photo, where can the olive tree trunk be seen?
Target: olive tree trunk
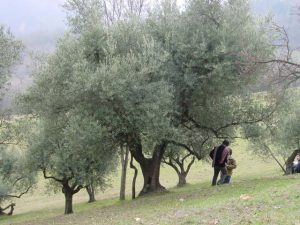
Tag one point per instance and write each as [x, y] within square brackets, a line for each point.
[134, 177]
[68, 202]
[91, 192]
[124, 162]
[178, 164]
[150, 168]
[69, 191]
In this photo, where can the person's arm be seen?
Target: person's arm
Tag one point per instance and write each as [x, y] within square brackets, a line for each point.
[211, 154]
[225, 155]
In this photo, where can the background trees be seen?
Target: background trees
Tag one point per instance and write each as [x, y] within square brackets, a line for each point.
[9, 54]
[15, 178]
[73, 152]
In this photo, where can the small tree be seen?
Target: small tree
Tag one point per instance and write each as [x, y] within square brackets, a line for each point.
[176, 160]
[15, 178]
[72, 151]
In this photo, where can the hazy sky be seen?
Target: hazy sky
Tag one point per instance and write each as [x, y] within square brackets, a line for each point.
[31, 16]
[25, 17]
[46, 18]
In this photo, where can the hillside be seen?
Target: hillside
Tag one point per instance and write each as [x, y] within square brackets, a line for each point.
[272, 199]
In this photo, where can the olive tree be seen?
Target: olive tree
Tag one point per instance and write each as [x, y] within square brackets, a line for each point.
[15, 180]
[178, 160]
[278, 137]
[151, 82]
[67, 143]
[72, 152]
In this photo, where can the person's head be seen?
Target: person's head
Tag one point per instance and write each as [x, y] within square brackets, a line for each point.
[230, 151]
[226, 142]
[298, 156]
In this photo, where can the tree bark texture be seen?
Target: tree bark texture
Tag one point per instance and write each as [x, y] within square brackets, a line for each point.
[69, 191]
[134, 177]
[91, 192]
[124, 162]
[181, 179]
[68, 201]
[150, 168]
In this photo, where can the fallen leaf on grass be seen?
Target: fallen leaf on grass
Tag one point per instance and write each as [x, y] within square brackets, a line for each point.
[181, 199]
[137, 219]
[246, 196]
[214, 222]
[276, 207]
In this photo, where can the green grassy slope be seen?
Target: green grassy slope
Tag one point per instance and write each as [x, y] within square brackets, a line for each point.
[273, 199]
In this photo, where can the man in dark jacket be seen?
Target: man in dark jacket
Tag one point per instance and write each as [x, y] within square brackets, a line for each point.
[219, 156]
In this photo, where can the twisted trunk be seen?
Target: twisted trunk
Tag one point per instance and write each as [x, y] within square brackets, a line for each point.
[177, 164]
[150, 167]
[134, 176]
[69, 191]
[11, 206]
[91, 192]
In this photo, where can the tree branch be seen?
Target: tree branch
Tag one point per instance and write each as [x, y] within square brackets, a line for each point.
[20, 195]
[190, 165]
[51, 177]
[171, 164]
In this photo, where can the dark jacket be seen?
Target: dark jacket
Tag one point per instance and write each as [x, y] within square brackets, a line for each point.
[219, 155]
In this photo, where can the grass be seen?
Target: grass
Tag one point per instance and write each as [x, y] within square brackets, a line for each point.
[273, 200]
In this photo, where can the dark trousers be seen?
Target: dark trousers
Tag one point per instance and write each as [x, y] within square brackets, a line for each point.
[217, 170]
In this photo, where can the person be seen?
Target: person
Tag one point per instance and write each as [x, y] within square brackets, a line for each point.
[296, 166]
[231, 165]
[219, 159]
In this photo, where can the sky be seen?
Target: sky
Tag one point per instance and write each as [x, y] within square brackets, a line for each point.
[32, 16]
[41, 21]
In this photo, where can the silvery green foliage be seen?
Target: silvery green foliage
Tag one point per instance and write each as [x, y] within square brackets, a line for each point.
[9, 53]
[72, 147]
[175, 75]
[15, 179]
[15, 176]
[281, 133]
[92, 92]
[83, 13]
[212, 47]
